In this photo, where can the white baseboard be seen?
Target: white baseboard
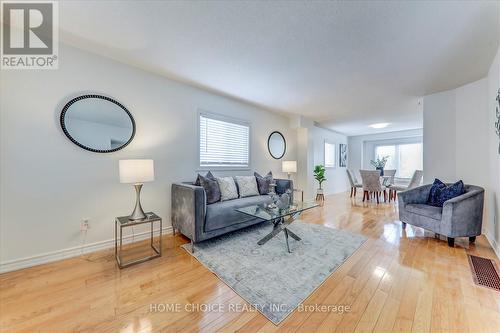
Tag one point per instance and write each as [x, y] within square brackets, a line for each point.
[13, 265]
[493, 243]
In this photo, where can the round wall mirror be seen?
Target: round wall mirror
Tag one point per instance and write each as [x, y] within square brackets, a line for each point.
[97, 123]
[276, 145]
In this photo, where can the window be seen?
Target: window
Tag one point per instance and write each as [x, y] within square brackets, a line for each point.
[405, 158]
[224, 142]
[329, 155]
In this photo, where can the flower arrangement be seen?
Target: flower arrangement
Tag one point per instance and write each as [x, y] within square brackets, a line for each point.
[379, 163]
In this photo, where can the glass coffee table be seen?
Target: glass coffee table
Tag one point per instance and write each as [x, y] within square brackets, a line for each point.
[281, 218]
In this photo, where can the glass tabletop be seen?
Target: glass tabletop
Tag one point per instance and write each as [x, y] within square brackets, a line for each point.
[266, 213]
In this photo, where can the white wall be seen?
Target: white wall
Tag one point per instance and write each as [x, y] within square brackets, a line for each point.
[456, 134]
[493, 199]
[361, 146]
[440, 137]
[310, 152]
[336, 176]
[48, 184]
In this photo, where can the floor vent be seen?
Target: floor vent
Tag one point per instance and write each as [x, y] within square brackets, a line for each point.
[485, 272]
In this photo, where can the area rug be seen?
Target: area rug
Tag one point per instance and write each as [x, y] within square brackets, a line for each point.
[272, 280]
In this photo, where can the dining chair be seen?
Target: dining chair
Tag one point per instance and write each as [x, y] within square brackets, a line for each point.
[415, 181]
[354, 182]
[388, 179]
[371, 184]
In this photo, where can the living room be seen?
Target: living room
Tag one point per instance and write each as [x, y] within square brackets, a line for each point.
[250, 166]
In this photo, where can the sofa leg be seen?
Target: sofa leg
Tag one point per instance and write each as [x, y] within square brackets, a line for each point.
[472, 239]
[192, 246]
[451, 242]
[404, 225]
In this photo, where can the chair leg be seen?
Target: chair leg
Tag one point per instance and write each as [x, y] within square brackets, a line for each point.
[385, 196]
[472, 239]
[390, 195]
[404, 225]
[451, 242]
[355, 191]
[351, 191]
[378, 195]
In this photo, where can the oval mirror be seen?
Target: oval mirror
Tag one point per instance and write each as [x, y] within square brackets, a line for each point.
[276, 145]
[97, 123]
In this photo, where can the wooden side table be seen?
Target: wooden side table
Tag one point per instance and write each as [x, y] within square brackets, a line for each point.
[123, 222]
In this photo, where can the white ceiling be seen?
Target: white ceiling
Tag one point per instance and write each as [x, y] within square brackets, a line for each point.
[343, 64]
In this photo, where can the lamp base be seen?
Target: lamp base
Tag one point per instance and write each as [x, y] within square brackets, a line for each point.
[138, 213]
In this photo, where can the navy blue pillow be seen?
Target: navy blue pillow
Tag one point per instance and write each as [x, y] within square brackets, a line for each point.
[450, 192]
[434, 192]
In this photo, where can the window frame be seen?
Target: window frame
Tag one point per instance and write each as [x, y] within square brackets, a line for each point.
[334, 154]
[397, 143]
[227, 119]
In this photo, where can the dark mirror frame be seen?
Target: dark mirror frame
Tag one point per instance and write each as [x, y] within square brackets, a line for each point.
[79, 98]
[269, 148]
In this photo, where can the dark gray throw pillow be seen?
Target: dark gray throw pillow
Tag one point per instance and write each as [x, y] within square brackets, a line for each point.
[264, 182]
[208, 175]
[211, 188]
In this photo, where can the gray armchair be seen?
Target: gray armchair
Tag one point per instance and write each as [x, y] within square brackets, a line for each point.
[461, 216]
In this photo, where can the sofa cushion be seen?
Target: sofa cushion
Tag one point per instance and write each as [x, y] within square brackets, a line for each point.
[434, 192]
[211, 188]
[208, 175]
[227, 188]
[432, 212]
[263, 183]
[247, 186]
[223, 214]
[450, 192]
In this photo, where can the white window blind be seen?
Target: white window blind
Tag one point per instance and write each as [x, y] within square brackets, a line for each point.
[223, 143]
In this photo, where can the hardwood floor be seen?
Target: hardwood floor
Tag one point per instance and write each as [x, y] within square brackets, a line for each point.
[399, 280]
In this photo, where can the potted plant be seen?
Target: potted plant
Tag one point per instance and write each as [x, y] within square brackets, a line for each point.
[319, 175]
[379, 163]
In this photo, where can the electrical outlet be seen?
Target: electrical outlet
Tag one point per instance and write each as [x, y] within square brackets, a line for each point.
[85, 225]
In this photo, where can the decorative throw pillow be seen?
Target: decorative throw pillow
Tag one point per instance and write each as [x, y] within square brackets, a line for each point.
[227, 188]
[450, 192]
[208, 175]
[247, 186]
[263, 183]
[211, 187]
[433, 193]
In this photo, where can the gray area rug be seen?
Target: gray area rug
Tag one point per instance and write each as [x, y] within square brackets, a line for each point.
[272, 280]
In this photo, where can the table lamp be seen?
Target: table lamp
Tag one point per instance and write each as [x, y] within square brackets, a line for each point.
[136, 172]
[289, 167]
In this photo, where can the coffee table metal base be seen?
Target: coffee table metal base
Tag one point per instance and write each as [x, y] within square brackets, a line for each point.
[279, 226]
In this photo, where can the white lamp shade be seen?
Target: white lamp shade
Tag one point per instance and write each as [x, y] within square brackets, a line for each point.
[136, 171]
[289, 166]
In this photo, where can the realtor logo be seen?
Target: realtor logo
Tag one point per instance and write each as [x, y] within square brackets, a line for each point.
[29, 35]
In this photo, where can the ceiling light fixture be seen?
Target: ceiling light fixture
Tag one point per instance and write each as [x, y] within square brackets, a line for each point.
[379, 125]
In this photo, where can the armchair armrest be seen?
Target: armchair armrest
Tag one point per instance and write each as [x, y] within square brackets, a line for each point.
[416, 195]
[188, 208]
[463, 215]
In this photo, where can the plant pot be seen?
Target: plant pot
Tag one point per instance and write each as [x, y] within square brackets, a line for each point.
[381, 171]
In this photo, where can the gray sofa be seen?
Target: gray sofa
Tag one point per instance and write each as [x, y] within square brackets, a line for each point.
[461, 216]
[198, 221]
